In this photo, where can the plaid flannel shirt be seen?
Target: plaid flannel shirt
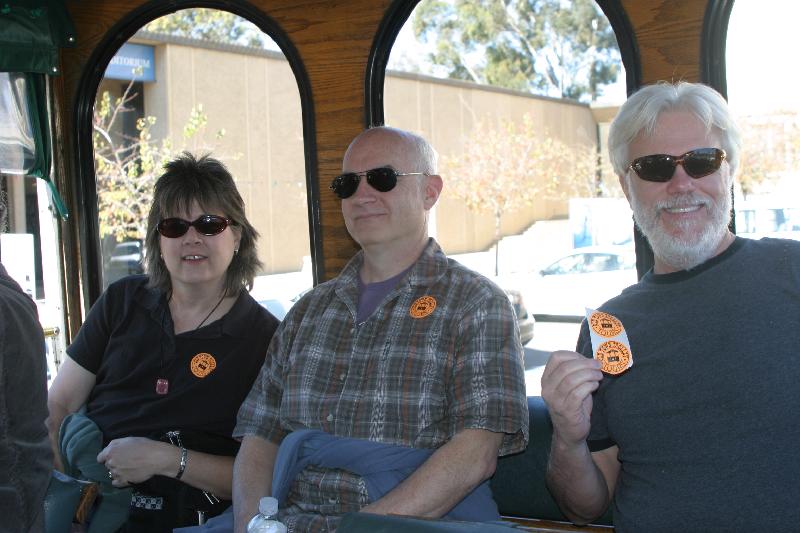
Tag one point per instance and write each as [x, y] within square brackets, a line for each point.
[393, 378]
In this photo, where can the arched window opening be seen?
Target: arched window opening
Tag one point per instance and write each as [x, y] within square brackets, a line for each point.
[517, 99]
[204, 80]
[762, 95]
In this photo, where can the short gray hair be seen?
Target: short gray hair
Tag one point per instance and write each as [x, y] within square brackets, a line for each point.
[641, 111]
[428, 158]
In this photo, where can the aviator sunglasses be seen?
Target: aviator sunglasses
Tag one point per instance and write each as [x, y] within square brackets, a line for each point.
[382, 179]
[697, 163]
[173, 228]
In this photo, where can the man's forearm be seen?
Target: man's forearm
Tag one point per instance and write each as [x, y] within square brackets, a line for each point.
[576, 482]
[252, 478]
[452, 472]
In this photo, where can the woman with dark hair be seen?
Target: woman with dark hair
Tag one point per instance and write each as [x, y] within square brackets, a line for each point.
[164, 360]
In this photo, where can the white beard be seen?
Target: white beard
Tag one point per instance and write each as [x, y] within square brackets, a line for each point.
[686, 249]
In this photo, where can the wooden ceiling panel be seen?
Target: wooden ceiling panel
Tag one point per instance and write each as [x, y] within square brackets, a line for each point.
[668, 33]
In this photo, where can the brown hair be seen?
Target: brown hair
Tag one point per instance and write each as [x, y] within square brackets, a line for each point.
[206, 181]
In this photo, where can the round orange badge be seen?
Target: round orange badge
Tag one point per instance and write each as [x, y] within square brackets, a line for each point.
[203, 364]
[604, 324]
[422, 307]
[614, 356]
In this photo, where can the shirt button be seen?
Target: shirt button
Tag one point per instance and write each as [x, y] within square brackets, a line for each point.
[341, 376]
[329, 418]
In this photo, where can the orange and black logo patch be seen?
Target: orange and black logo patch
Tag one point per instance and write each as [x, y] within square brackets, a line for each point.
[604, 324]
[422, 307]
[614, 356]
[203, 364]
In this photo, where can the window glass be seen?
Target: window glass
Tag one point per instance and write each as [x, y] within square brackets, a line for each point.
[767, 190]
[517, 99]
[204, 80]
[16, 138]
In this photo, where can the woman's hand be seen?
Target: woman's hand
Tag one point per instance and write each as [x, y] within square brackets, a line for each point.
[137, 459]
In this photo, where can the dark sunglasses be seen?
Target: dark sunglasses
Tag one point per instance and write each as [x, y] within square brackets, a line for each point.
[382, 179]
[697, 163]
[173, 228]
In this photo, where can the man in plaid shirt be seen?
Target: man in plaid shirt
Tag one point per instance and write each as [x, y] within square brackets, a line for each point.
[405, 349]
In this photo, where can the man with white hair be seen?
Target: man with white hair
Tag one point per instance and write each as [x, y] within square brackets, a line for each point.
[699, 434]
[406, 359]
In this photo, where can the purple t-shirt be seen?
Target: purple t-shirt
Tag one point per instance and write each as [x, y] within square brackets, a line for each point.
[371, 294]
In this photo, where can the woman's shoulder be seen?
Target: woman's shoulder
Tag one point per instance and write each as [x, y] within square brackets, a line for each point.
[131, 289]
[261, 318]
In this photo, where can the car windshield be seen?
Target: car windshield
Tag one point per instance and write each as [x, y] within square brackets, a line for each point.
[587, 262]
[126, 249]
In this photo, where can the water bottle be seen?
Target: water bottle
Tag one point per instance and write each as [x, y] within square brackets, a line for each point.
[266, 519]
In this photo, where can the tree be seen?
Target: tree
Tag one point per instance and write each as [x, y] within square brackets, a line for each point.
[126, 168]
[505, 168]
[770, 149]
[560, 48]
[211, 25]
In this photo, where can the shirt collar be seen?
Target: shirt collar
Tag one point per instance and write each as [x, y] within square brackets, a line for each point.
[235, 322]
[430, 266]
[683, 275]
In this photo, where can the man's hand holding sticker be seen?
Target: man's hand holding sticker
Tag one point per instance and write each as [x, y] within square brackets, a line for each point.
[609, 342]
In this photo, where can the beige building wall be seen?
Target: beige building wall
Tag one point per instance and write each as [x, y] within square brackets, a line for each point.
[254, 126]
[252, 96]
[446, 111]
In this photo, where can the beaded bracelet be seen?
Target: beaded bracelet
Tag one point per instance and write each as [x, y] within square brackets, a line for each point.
[182, 467]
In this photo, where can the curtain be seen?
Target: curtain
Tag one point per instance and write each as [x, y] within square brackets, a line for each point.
[31, 34]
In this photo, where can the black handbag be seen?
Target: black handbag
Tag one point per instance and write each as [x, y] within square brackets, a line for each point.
[184, 505]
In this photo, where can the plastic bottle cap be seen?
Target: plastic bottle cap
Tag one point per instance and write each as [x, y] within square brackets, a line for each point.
[268, 506]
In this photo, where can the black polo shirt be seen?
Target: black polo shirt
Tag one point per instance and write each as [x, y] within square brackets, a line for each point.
[150, 380]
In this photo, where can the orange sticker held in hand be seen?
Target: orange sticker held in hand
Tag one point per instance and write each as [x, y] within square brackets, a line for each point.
[610, 344]
[604, 324]
[614, 356]
[203, 364]
[422, 307]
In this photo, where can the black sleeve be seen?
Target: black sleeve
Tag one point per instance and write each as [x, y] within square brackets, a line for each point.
[598, 439]
[584, 344]
[90, 344]
[263, 329]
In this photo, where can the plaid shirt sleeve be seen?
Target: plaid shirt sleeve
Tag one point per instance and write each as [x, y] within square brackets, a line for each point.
[488, 382]
[259, 414]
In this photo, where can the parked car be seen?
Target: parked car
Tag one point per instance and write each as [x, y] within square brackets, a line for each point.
[586, 277]
[128, 255]
[126, 259]
[525, 320]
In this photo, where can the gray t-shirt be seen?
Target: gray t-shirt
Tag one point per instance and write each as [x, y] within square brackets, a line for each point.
[708, 418]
